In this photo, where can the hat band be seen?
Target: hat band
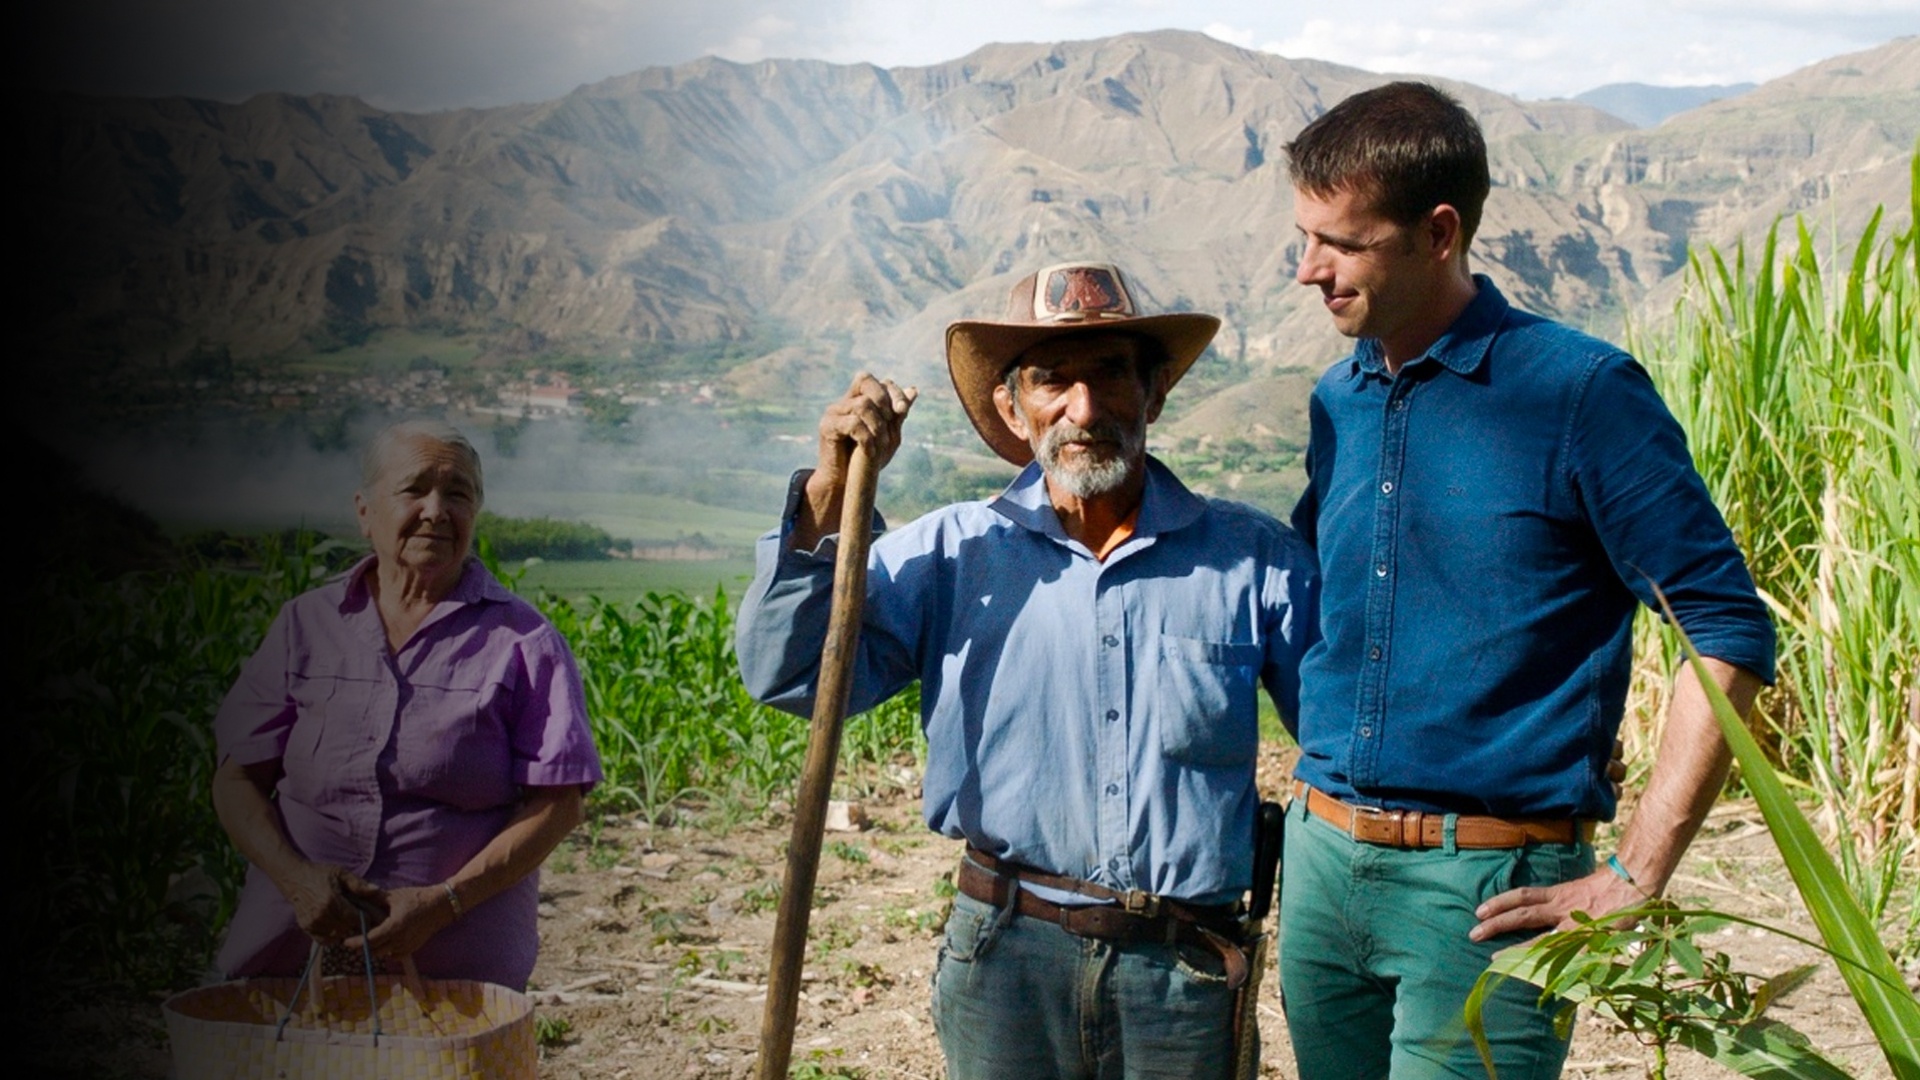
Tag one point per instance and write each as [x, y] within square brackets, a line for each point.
[1072, 292]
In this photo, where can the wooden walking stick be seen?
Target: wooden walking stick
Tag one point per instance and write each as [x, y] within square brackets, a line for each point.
[816, 778]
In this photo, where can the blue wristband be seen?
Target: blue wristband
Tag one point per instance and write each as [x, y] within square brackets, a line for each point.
[1619, 871]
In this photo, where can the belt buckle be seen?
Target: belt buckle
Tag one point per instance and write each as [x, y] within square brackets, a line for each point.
[1144, 904]
[1372, 813]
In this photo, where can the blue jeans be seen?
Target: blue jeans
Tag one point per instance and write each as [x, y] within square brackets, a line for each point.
[1375, 965]
[1017, 998]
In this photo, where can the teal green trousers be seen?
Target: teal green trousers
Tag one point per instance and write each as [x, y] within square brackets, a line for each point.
[1376, 966]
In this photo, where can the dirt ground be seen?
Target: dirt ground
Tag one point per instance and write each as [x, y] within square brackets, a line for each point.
[655, 944]
[655, 941]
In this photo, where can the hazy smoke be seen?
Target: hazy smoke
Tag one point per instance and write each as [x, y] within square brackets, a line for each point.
[261, 472]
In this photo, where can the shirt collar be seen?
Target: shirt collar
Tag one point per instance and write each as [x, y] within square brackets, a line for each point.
[476, 585]
[1165, 506]
[1461, 350]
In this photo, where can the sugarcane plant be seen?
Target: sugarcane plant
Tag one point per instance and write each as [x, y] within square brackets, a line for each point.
[1669, 990]
[1799, 389]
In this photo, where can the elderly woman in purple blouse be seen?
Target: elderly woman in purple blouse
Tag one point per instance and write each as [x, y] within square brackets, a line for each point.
[406, 746]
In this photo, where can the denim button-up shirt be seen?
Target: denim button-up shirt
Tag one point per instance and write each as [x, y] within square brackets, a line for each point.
[1095, 719]
[1487, 523]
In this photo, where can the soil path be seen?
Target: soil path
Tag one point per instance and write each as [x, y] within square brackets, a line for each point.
[655, 944]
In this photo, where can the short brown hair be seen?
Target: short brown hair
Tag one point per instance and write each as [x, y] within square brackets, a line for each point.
[1407, 146]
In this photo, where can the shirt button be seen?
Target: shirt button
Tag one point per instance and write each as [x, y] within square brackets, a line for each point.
[1386, 487]
[1113, 789]
[1113, 714]
[1366, 733]
[1399, 405]
[1380, 570]
[1373, 653]
[1109, 641]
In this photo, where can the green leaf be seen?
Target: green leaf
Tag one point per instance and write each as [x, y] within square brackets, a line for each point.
[1688, 957]
[1647, 963]
[1780, 986]
[1890, 1008]
[1764, 1048]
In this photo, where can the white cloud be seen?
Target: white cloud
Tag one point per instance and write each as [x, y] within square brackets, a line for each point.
[421, 54]
[1394, 46]
[1802, 8]
[1230, 35]
[759, 39]
[1547, 49]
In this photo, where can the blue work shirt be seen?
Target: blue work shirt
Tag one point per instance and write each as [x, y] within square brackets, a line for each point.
[1487, 523]
[1088, 718]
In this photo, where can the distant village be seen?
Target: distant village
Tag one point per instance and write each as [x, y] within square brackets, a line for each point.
[325, 404]
[534, 394]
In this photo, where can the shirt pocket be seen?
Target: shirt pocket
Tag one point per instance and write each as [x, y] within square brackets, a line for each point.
[1204, 701]
[450, 745]
[327, 723]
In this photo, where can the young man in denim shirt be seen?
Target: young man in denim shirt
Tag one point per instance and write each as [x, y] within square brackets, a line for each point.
[1492, 496]
[1089, 646]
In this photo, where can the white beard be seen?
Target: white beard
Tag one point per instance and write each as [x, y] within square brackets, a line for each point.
[1085, 476]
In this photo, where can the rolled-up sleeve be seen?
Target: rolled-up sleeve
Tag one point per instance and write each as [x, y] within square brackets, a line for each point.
[785, 613]
[1657, 521]
[783, 616]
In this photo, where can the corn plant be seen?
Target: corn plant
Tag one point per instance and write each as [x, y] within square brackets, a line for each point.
[133, 876]
[1890, 1008]
[1797, 378]
[672, 719]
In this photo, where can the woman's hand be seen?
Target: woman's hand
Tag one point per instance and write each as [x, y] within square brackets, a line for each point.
[328, 902]
[413, 916]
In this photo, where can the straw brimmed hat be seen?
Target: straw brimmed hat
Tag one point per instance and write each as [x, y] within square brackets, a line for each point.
[1058, 301]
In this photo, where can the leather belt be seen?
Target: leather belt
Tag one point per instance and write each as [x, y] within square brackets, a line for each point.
[1420, 829]
[1129, 917]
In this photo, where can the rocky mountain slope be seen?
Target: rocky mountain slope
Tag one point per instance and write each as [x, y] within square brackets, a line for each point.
[845, 213]
[1645, 106]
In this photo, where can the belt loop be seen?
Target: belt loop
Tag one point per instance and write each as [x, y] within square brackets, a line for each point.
[1005, 914]
[1003, 884]
[1447, 826]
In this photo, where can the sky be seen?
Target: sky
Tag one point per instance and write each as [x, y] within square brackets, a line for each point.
[422, 55]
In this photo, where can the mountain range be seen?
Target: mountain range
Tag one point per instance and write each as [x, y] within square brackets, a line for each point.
[821, 216]
[1644, 105]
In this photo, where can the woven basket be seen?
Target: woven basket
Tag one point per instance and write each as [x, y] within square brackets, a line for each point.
[428, 1029]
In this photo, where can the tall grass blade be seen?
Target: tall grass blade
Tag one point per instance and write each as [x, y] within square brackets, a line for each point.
[1890, 1008]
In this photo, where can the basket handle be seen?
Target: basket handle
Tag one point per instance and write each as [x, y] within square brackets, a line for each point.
[410, 978]
[313, 996]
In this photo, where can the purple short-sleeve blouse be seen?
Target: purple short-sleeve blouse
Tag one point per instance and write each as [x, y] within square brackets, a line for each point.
[401, 766]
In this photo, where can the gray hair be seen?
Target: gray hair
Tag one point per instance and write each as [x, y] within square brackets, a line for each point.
[374, 457]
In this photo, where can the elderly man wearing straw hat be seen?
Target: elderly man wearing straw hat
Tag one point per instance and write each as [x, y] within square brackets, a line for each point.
[1090, 646]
